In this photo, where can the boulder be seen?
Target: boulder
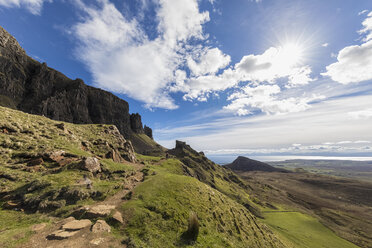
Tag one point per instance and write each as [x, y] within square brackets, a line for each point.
[118, 217]
[91, 164]
[75, 225]
[99, 211]
[101, 226]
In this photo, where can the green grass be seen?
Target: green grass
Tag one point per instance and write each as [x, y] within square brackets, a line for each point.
[15, 227]
[304, 231]
[159, 210]
[116, 167]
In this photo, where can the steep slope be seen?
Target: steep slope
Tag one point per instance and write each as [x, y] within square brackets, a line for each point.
[32, 87]
[246, 164]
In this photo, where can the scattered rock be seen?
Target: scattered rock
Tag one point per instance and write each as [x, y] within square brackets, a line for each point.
[101, 226]
[128, 152]
[56, 155]
[118, 217]
[97, 241]
[76, 225]
[36, 161]
[62, 127]
[61, 234]
[115, 156]
[10, 205]
[98, 211]
[91, 164]
[38, 227]
[47, 206]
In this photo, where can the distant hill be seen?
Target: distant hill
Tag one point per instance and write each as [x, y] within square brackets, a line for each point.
[246, 164]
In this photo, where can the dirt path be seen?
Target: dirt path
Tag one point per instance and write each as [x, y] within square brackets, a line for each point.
[85, 238]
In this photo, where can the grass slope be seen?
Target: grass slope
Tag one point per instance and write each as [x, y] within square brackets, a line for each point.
[22, 138]
[304, 231]
[159, 209]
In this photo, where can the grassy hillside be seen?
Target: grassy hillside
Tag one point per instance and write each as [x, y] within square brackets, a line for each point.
[34, 188]
[159, 209]
[304, 231]
[176, 198]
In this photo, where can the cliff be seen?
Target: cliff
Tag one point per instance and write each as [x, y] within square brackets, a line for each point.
[32, 87]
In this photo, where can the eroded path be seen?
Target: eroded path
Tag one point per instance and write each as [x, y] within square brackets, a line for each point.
[88, 229]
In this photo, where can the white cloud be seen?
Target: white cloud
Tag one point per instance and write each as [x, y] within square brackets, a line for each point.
[266, 99]
[268, 67]
[208, 61]
[361, 114]
[123, 59]
[354, 63]
[367, 27]
[326, 123]
[325, 44]
[34, 6]
[363, 12]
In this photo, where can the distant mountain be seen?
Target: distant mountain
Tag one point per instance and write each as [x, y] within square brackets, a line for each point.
[33, 87]
[246, 164]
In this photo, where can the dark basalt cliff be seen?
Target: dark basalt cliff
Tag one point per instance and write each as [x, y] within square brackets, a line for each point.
[32, 87]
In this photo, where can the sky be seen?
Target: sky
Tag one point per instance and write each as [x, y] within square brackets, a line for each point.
[260, 78]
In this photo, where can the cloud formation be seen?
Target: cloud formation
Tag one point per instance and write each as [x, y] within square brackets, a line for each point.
[176, 60]
[34, 6]
[354, 63]
[265, 98]
[123, 59]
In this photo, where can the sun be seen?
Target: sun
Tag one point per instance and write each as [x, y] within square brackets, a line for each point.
[291, 54]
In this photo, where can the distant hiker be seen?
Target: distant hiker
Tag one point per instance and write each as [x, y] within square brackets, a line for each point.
[167, 155]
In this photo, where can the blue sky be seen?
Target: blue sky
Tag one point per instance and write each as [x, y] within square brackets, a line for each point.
[258, 78]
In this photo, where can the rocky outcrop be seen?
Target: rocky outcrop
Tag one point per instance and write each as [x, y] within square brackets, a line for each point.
[32, 87]
[91, 164]
[148, 131]
[136, 123]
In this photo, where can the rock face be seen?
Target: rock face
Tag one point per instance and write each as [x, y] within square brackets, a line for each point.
[246, 164]
[136, 123]
[32, 87]
[148, 131]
